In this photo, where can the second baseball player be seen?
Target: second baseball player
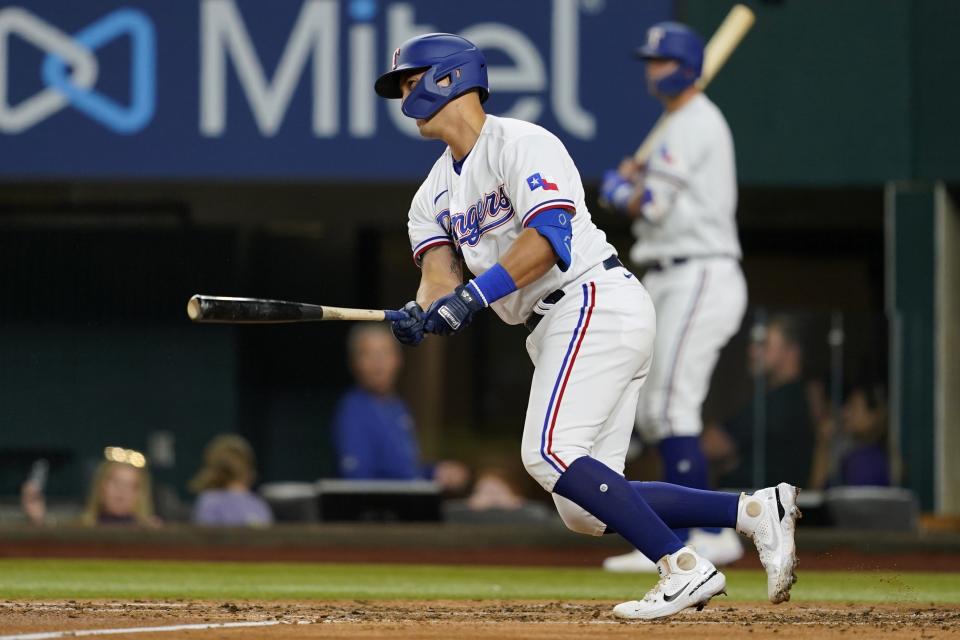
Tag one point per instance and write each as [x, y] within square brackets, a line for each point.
[683, 201]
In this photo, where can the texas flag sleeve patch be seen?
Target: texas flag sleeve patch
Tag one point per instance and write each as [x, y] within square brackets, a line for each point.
[536, 181]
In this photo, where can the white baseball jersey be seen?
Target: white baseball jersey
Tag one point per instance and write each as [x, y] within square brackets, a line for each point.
[514, 171]
[691, 177]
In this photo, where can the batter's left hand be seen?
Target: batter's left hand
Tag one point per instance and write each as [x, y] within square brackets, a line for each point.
[409, 329]
[452, 312]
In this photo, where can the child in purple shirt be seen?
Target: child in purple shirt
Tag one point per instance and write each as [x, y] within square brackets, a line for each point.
[223, 485]
[866, 461]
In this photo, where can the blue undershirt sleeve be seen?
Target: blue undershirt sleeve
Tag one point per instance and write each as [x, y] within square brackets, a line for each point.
[556, 225]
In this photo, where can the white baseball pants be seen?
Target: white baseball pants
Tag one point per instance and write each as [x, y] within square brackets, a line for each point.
[592, 352]
[700, 305]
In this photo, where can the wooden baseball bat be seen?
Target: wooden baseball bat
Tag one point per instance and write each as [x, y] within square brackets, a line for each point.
[718, 50]
[202, 308]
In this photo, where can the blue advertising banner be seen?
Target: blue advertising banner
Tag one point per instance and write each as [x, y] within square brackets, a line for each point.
[283, 90]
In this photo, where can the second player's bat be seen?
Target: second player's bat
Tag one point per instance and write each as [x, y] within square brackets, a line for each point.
[260, 311]
[726, 38]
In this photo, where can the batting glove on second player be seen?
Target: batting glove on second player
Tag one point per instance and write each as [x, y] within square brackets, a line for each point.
[616, 190]
[409, 329]
[452, 312]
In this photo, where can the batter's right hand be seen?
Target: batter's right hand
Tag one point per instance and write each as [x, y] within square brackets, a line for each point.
[409, 329]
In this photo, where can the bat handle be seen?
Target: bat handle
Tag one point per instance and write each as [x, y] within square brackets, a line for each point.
[390, 315]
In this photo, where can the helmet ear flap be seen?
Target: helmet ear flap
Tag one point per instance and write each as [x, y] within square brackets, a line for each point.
[426, 97]
[675, 82]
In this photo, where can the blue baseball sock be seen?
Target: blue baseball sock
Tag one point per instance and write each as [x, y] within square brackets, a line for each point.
[685, 464]
[681, 507]
[610, 498]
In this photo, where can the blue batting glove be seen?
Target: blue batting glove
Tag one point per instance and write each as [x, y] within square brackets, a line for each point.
[616, 190]
[452, 312]
[409, 328]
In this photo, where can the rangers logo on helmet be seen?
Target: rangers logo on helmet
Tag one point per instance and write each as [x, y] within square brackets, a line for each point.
[654, 36]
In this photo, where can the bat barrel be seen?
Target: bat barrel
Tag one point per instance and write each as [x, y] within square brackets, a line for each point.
[202, 308]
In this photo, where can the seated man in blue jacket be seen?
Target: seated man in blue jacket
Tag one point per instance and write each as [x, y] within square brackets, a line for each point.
[373, 430]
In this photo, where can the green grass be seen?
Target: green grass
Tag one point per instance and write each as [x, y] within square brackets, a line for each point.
[129, 579]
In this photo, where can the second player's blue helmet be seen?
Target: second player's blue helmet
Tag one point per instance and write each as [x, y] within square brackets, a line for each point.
[674, 41]
[438, 55]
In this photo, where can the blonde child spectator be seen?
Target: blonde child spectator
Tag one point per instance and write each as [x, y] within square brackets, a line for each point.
[120, 494]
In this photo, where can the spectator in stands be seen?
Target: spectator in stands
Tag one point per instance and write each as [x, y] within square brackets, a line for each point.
[498, 495]
[373, 432]
[33, 503]
[119, 495]
[858, 456]
[493, 490]
[223, 484]
[788, 410]
[865, 423]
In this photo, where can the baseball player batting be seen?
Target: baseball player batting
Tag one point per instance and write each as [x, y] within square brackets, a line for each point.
[506, 197]
[684, 203]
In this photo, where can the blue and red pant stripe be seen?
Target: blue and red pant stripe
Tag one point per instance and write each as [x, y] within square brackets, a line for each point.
[560, 385]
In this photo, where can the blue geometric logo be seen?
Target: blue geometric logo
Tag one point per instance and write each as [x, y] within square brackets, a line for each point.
[119, 118]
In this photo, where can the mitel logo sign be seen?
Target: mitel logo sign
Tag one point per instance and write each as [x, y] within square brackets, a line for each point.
[77, 88]
[318, 41]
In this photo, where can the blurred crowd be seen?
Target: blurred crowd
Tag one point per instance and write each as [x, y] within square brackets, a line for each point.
[807, 440]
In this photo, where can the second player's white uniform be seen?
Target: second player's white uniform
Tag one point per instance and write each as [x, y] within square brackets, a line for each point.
[688, 234]
[593, 346]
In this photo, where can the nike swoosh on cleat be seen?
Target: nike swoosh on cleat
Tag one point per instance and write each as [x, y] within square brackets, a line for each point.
[705, 580]
[673, 596]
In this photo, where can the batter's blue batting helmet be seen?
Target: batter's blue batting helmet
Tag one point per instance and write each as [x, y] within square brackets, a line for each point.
[439, 55]
[674, 41]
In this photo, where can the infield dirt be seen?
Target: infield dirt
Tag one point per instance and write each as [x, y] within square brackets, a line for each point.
[487, 619]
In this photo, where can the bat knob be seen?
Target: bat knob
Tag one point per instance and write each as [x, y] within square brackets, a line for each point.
[193, 308]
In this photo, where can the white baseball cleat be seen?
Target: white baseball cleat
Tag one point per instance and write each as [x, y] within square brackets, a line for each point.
[719, 548]
[686, 580]
[769, 518]
[631, 562]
